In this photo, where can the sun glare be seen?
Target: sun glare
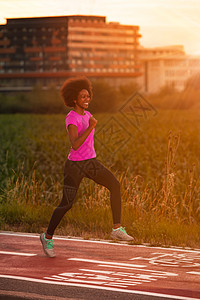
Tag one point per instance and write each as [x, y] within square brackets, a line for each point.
[162, 22]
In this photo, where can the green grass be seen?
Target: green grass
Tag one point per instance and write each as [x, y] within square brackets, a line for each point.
[158, 168]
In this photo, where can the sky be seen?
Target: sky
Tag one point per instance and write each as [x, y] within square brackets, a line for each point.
[162, 22]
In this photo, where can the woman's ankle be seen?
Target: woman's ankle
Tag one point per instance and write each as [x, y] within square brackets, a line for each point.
[48, 236]
[116, 226]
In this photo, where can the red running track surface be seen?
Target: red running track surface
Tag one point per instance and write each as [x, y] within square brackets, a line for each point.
[170, 272]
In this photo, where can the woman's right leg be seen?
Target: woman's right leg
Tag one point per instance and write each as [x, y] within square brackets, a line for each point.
[72, 179]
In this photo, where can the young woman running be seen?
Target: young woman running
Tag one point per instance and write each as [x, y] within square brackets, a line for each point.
[82, 162]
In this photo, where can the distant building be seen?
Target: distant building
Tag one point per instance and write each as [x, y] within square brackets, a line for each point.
[49, 49]
[166, 66]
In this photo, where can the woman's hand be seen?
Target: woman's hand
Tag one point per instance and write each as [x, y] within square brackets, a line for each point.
[92, 122]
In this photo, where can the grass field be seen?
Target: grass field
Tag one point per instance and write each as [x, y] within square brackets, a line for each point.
[155, 157]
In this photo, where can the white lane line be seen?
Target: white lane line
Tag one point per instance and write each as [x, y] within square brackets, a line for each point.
[156, 273]
[85, 281]
[107, 263]
[98, 287]
[125, 266]
[116, 285]
[194, 273]
[76, 280]
[57, 277]
[52, 278]
[74, 239]
[96, 271]
[17, 253]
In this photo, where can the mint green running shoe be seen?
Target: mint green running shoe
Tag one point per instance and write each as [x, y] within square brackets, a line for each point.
[121, 234]
[47, 245]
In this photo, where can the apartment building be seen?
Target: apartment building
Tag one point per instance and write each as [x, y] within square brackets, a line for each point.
[49, 49]
[166, 66]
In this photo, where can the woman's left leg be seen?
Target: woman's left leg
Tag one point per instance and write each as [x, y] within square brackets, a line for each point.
[94, 170]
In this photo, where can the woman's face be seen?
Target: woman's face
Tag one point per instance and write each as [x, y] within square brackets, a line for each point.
[83, 99]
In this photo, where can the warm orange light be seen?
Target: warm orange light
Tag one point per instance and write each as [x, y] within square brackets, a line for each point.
[161, 22]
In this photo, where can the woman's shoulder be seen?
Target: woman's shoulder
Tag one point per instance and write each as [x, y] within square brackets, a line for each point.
[71, 117]
[71, 114]
[74, 115]
[87, 113]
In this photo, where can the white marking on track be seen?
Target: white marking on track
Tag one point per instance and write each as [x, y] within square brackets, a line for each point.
[98, 287]
[96, 271]
[186, 260]
[57, 277]
[117, 285]
[137, 275]
[86, 281]
[17, 253]
[73, 239]
[194, 273]
[158, 273]
[52, 278]
[124, 266]
[107, 263]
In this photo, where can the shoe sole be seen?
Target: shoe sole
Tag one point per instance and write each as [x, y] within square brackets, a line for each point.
[47, 254]
[114, 239]
[118, 239]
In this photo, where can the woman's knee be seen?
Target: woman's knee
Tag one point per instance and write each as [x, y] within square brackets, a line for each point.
[115, 185]
[64, 208]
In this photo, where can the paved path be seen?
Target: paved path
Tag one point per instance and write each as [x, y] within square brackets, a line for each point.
[130, 271]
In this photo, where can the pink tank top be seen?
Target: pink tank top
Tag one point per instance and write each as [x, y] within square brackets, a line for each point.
[86, 150]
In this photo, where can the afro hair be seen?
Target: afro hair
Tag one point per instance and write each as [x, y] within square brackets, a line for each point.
[71, 88]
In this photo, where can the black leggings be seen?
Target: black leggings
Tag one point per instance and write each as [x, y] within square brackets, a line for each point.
[74, 171]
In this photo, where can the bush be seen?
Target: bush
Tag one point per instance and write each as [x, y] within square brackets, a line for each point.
[106, 98]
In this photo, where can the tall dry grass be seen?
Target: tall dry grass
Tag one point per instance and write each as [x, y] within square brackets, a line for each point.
[164, 210]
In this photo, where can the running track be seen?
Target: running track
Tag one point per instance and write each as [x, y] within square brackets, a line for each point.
[168, 273]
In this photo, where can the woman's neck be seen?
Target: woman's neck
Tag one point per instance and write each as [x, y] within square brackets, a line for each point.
[79, 110]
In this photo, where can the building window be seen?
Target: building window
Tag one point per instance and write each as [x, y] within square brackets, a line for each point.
[169, 73]
[194, 63]
[155, 63]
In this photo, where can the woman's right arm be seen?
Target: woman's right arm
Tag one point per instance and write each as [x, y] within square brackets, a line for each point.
[75, 140]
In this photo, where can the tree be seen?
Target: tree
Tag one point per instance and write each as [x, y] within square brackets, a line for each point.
[104, 97]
